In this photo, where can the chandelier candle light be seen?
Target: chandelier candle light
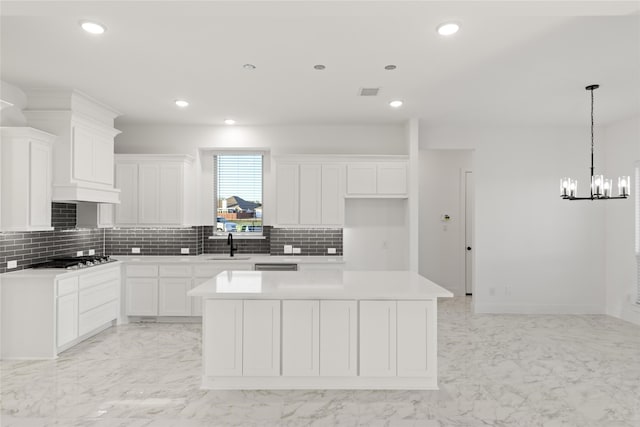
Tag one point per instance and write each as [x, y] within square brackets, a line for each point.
[601, 187]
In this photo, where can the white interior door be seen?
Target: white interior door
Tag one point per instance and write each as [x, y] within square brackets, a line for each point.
[468, 231]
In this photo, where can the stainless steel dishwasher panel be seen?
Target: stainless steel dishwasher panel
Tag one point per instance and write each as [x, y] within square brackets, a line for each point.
[275, 267]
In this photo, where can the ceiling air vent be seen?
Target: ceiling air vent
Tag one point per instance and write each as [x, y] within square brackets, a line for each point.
[369, 91]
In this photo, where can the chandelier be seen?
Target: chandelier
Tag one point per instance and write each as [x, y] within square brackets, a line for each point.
[601, 188]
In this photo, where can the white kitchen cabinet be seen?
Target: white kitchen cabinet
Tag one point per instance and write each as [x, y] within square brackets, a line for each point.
[172, 298]
[25, 179]
[309, 194]
[222, 342]
[156, 190]
[300, 338]
[416, 335]
[332, 199]
[84, 149]
[261, 338]
[377, 338]
[126, 212]
[338, 338]
[381, 179]
[67, 318]
[287, 194]
[142, 296]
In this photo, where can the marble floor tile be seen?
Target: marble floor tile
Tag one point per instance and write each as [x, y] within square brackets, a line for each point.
[494, 370]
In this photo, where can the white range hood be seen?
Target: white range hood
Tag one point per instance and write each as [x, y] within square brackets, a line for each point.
[84, 146]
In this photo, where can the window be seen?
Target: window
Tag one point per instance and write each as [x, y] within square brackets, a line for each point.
[238, 193]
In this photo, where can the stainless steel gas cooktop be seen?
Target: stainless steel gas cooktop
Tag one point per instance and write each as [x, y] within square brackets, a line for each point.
[75, 263]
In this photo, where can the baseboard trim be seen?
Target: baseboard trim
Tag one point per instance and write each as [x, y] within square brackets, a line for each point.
[536, 308]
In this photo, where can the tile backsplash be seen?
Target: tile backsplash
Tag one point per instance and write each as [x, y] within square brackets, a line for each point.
[33, 247]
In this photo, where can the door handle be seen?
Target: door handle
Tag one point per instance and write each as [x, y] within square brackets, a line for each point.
[468, 248]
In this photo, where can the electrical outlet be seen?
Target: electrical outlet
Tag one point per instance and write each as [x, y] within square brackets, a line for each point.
[184, 251]
[296, 250]
[92, 251]
[12, 264]
[79, 253]
[331, 251]
[135, 250]
[288, 249]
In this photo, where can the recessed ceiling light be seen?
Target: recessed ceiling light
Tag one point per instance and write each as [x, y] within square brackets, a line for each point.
[319, 67]
[448, 29]
[249, 67]
[181, 103]
[93, 27]
[390, 67]
[395, 104]
[229, 122]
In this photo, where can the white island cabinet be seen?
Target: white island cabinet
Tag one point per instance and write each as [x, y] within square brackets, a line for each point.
[319, 330]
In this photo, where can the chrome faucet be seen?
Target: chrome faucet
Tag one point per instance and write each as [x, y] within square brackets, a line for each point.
[232, 248]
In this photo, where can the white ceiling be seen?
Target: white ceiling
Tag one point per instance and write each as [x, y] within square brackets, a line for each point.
[512, 63]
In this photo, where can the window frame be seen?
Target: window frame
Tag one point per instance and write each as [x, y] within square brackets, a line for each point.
[213, 154]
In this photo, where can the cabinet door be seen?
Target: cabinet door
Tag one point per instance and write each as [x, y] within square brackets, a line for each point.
[338, 338]
[416, 336]
[310, 194]
[103, 159]
[287, 194]
[300, 338]
[378, 338]
[171, 194]
[67, 319]
[173, 299]
[361, 178]
[332, 195]
[105, 215]
[148, 194]
[392, 178]
[40, 185]
[222, 338]
[261, 338]
[142, 296]
[82, 154]
[196, 302]
[126, 212]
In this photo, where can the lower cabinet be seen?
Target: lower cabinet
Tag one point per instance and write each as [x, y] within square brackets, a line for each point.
[172, 298]
[378, 338]
[142, 296]
[338, 338]
[222, 338]
[67, 319]
[300, 338]
[261, 338]
[416, 328]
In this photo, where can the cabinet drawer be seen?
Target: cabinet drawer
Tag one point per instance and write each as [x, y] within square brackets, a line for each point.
[206, 270]
[148, 270]
[67, 286]
[98, 295]
[175, 271]
[95, 278]
[97, 317]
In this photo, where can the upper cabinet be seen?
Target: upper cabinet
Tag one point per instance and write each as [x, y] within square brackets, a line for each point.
[309, 194]
[155, 190]
[380, 179]
[83, 156]
[25, 179]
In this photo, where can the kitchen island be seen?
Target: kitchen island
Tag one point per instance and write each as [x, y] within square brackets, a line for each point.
[319, 330]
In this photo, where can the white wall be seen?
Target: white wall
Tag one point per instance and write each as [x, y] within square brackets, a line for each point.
[533, 251]
[622, 150]
[442, 254]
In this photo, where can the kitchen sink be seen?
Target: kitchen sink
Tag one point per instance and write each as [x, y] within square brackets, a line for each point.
[228, 258]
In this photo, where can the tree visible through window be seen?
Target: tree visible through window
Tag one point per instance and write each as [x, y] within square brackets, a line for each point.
[238, 193]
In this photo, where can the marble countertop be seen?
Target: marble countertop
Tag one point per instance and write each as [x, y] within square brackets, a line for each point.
[238, 258]
[334, 284]
[51, 273]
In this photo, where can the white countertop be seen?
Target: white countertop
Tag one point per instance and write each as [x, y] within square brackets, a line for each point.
[237, 258]
[334, 284]
[46, 273]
